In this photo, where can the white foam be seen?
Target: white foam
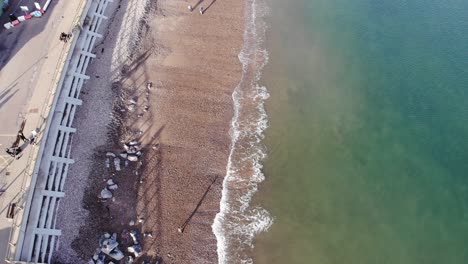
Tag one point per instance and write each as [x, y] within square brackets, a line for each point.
[237, 224]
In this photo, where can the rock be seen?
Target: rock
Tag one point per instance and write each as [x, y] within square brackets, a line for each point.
[136, 250]
[110, 154]
[138, 153]
[96, 254]
[129, 260]
[131, 223]
[126, 147]
[132, 150]
[116, 254]
[132, 102]
[107, 162]
[108, 246]
[126, 163]
[101, 260]
[132, 158]
[113, 187]
[149, 85]
[117, 164]
[106, 194]
[133, 143]
[110, 182]
[148, 234]
[134, 236]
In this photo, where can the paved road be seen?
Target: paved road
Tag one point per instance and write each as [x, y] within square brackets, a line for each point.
[29, 57]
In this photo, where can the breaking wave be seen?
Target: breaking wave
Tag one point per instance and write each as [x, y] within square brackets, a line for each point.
[237, 223]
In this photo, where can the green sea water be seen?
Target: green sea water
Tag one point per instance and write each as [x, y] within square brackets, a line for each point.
[368, 132]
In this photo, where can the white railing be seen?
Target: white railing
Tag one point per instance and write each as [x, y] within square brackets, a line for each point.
[33, 235]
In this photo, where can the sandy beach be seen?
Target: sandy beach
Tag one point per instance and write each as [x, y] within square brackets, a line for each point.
[181, 123]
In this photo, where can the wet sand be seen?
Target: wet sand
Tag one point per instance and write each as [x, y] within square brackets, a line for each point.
[182, 123]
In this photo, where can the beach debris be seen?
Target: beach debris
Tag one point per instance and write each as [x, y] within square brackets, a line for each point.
[133, 143]
[135, 249]
[146, 108]
[106, 193]
[149, 85]
[147, 234]
[129, 260]
[117, 164]
[131, 223]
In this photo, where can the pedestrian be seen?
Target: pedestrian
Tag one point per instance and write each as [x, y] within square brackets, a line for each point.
[63, 37]
[190, 8]
[201, 10]
[22, 137]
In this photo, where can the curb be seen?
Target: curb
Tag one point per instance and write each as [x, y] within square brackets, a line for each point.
[38, 13]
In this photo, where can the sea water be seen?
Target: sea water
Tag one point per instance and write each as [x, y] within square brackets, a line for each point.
[366, 150]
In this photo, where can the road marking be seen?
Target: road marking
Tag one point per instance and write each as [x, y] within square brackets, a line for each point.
[5, 160]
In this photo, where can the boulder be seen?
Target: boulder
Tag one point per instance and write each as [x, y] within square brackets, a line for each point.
[106, 194]
[136, 250]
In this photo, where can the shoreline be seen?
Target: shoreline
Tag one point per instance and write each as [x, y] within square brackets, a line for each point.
[182, 124]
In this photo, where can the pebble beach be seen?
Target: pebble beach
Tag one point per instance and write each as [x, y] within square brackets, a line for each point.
[163, 77]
